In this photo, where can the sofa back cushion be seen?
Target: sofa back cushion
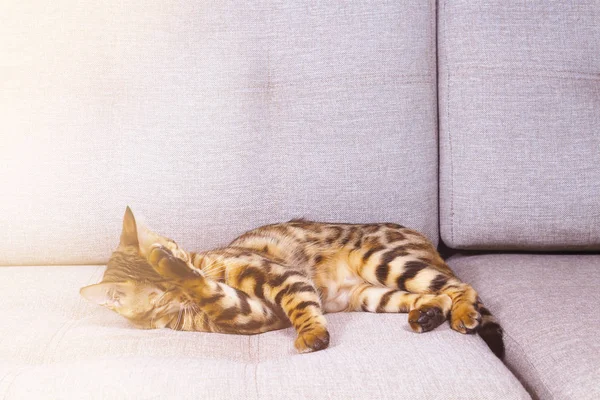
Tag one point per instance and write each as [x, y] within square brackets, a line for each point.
[519, 90]
[211, 118]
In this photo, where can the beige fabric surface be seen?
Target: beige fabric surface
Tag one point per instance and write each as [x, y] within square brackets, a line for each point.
[211, 118]
[548, 306]
[519, 94]
[53, 344]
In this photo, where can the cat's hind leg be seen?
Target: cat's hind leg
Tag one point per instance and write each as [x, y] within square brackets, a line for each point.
[399, 269]
[426, 311]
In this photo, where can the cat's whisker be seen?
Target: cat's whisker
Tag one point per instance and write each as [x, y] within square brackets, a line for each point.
[182, 323]
[193, 310]
[178, 318]
[158, 306]
[214, 270]
[190, 317]
[196, 309]
[193, 315]
[213, 273]
[160, 298]
[213, 266]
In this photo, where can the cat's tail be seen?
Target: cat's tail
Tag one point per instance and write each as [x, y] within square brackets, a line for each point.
[490, 330]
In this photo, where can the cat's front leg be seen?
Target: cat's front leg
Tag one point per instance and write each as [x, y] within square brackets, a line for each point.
[293, 293]
[215, 306]
[167, 264]
[280, 296]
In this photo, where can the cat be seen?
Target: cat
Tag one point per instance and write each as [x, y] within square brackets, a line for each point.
[289, 274]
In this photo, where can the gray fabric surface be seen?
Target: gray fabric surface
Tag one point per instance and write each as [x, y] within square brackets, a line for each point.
[519, 91]
[211, 118]
[56, 345]
[548, 306]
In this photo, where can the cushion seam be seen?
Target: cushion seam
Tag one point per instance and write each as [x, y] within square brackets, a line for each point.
[451, 216]
[529, 363]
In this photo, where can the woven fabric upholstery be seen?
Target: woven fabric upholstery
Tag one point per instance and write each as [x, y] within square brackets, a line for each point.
[211, 118]
[519, 90]
[56, 345]
[548, 306]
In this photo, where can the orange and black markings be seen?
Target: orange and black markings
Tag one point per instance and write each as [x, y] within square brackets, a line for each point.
[291, 274]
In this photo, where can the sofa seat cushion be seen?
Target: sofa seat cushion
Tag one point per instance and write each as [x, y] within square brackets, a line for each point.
[56, 345]
[549, 308]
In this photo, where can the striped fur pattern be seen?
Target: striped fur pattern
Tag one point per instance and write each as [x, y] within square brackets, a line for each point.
[289, 274]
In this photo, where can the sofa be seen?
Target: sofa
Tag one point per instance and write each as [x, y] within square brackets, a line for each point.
[476, 123]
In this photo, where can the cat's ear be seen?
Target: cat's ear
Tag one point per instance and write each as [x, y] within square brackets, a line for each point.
[108, 294]
[129, 235]
[138, 235]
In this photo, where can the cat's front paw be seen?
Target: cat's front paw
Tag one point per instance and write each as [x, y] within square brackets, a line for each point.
[464, 318]
[166, 264]
[314, 340]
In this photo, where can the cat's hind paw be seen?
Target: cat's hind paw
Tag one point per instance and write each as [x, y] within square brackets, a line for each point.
[425, 318]
[313, 340]
[465, 318]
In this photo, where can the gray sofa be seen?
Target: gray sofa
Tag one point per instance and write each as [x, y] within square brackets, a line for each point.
[476, 123]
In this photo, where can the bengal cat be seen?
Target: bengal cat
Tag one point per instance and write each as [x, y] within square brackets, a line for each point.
[286, 274]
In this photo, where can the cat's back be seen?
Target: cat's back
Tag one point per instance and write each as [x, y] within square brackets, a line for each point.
[303, 242]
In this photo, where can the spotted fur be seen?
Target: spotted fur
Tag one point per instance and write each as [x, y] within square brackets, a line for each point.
[289, 274]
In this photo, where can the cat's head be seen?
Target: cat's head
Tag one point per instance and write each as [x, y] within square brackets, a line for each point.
[130, 286]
